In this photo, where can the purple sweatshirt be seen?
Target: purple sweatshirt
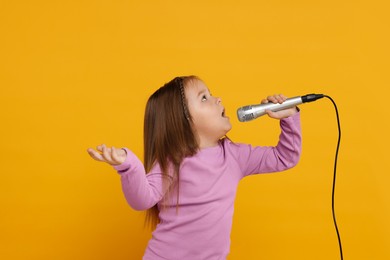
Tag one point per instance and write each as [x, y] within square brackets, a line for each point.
[200, 229]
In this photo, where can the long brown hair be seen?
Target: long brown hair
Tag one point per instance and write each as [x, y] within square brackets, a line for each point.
[168, 135]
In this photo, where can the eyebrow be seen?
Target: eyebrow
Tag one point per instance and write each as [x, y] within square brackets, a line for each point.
[203, 91]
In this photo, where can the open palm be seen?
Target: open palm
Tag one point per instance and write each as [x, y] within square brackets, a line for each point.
[112, 156]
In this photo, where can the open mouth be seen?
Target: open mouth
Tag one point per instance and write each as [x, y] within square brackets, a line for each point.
[223, 113]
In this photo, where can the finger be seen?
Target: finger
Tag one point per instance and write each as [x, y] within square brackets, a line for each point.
[279, 98]
[106, 154]
[272, 99]
[99, 148]
[95, 155]
[264, 101]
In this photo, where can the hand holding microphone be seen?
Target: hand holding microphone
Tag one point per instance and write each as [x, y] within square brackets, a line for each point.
[278, 99]
[278, 103]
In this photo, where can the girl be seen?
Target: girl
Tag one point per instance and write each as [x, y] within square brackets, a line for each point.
[189, 181]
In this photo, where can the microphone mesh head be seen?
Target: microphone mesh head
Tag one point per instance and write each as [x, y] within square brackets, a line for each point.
[242, 116]
[249, 117]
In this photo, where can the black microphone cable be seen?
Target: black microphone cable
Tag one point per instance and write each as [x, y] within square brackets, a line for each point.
[334, 177]
[244, 116]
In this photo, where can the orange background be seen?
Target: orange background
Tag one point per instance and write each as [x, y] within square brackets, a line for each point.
[75, 74]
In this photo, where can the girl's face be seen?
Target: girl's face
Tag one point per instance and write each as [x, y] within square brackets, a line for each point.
[207, 113]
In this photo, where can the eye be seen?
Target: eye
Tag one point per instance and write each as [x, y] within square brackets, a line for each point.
[204, 98]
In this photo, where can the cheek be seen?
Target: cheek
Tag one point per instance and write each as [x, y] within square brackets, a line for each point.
[201, 118]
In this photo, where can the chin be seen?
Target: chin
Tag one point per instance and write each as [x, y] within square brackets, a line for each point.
[228, 129]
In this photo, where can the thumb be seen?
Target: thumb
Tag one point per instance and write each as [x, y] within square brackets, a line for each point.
[272, 114]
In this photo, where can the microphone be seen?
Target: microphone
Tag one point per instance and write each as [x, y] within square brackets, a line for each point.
[247, 113]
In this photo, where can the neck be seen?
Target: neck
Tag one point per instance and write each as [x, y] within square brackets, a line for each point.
[205, 143]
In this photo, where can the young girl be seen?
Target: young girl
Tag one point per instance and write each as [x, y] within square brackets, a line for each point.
[189, 181]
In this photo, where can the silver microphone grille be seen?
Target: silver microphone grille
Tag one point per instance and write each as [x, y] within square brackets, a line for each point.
[242, 116]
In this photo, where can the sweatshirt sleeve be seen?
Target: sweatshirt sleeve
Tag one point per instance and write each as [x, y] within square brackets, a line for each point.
[142, 191]
[267, 159]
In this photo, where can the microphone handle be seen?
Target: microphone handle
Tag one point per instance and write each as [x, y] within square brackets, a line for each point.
[288, 103]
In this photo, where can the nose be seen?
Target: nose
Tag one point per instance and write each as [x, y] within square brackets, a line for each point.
[219, 100]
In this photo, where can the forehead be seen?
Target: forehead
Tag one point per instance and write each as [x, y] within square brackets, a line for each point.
[194, 88]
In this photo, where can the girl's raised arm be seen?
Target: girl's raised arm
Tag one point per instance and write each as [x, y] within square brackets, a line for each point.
[142, 191]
